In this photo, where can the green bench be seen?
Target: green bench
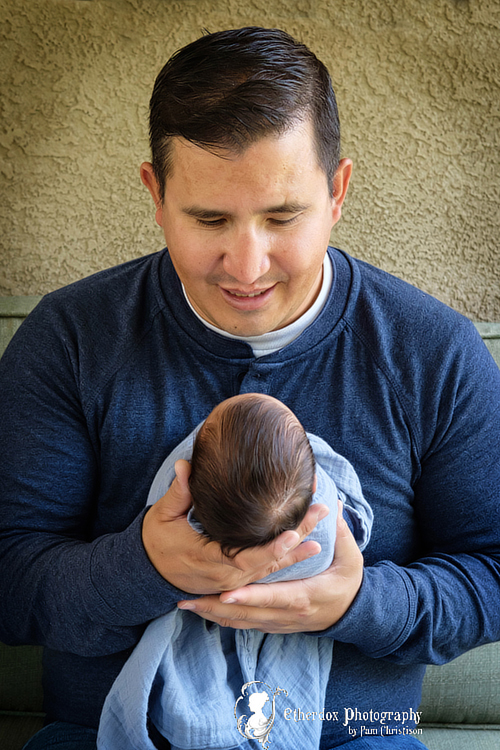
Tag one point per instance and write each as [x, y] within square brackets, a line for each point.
[460, 701]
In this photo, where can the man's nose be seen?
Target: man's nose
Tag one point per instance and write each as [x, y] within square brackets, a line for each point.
[246, 257]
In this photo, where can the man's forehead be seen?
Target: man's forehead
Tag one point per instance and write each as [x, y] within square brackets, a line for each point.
[180, 147]
[275, 175]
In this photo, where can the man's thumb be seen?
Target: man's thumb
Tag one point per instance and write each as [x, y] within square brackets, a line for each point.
[177, 500]
[347, 552]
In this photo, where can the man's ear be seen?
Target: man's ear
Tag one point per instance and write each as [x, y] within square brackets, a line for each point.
[340, 184]
[315, 484]
[148, 179]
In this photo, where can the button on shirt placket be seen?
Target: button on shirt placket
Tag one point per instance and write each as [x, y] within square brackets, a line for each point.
[255, 380]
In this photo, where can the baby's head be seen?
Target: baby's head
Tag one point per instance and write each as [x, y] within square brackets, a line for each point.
[252, 472]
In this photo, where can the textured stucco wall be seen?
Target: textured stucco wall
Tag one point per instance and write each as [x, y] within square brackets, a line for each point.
[418, 85]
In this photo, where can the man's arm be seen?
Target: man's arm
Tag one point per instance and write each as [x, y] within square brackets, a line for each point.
[440, 605]
[429, 612]
[59, 586]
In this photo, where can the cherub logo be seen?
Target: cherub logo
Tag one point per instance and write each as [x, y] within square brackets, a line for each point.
[258, 726]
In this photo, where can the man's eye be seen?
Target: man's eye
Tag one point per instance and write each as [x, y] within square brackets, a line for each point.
[210, 222]
[283, 222]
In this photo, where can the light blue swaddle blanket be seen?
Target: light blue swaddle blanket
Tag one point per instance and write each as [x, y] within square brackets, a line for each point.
[191, 677]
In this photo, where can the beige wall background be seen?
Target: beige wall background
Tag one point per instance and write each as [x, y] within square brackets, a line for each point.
[418, 87]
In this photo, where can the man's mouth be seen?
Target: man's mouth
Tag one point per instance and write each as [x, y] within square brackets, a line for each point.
[247, 294]
[247, 301]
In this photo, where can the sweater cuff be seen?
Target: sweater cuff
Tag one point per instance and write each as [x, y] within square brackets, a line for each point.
[128, 588]
[382, 615]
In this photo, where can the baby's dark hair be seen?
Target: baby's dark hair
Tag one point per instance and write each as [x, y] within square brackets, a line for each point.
[252, 472]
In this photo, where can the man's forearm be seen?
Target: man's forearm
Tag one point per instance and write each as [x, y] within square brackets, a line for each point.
[87, 598]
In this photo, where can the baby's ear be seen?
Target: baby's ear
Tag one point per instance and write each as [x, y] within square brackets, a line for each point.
[315, 484]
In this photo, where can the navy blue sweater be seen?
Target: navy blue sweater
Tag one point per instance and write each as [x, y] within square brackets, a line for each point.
[108, 375]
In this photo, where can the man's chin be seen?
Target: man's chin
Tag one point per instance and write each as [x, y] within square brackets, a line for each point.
[244, 326]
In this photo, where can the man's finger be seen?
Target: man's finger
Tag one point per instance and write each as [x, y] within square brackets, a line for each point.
[314, 515]
[231, 615]
[286, 549]
[259, 595]
[348, 557]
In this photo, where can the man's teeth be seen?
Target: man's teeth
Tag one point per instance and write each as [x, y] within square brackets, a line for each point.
[253, 294]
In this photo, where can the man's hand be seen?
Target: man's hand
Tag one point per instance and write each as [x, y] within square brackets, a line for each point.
[306, 605]
[196, 566]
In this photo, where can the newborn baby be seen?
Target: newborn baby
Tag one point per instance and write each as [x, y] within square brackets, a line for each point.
[254, 473]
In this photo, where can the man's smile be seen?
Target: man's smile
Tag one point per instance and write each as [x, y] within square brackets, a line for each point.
[247, 301]
[246, 294]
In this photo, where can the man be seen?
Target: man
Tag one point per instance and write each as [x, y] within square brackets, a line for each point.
[108, 375]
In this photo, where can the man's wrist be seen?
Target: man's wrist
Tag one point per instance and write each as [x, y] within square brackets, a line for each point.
[129, 588]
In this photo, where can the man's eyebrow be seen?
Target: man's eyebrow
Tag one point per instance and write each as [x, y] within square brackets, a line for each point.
[286, 208]
[202, 213]
[207, 213]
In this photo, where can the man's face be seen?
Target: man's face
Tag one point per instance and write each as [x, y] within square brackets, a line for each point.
[247, 233]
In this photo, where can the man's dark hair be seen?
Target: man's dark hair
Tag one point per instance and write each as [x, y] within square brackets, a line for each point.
[252, 473]
[229, 89]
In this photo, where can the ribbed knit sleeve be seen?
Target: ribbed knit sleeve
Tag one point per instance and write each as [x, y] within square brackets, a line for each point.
[65, 583]
[432, 609]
